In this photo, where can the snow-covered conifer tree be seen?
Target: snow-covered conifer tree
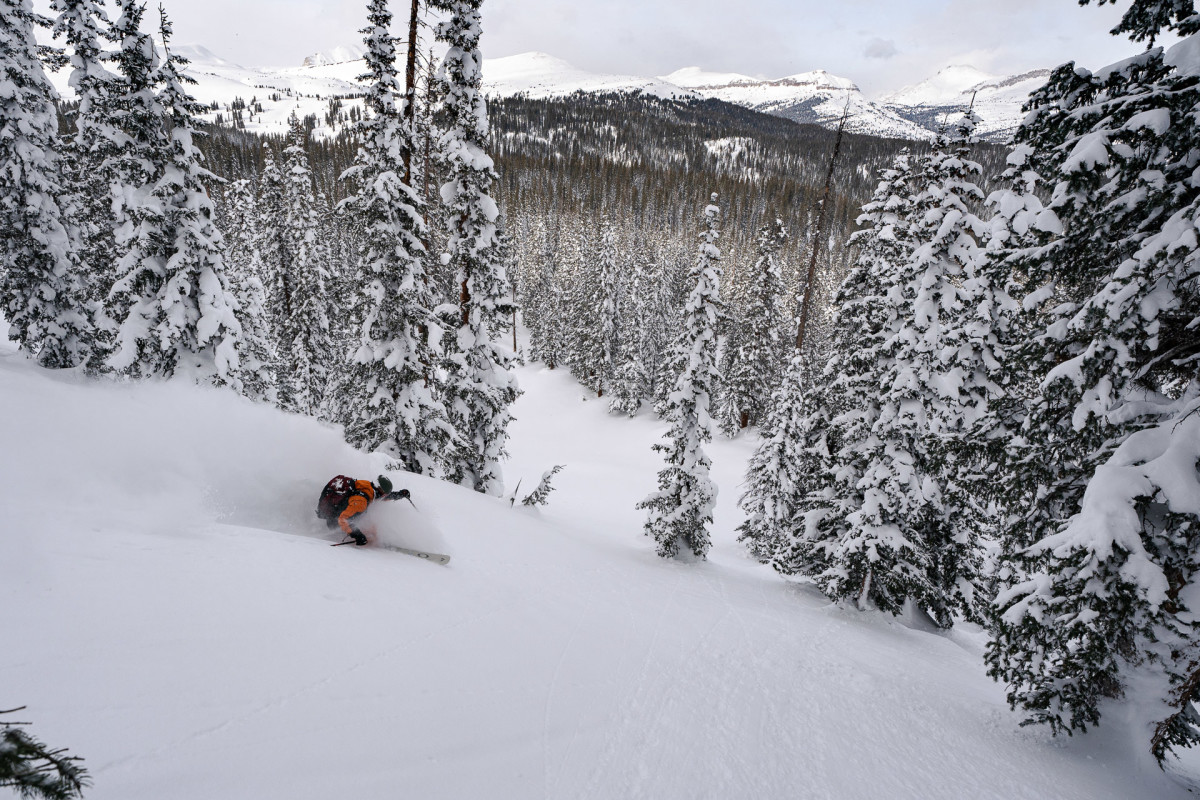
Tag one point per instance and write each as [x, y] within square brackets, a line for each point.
[481, 386]
[271, 243]
[305, 347]
[88, 161]
[244, 266]
[879, 528]
[42, 293]
[174, 309]
[394, 404]
[542, 301]
[758, 364]
[680, 512]
[631, 383]
[136, 167]
[1098, 596]
[803, 479]
[609, 308]
[790, 462]
[580, 293]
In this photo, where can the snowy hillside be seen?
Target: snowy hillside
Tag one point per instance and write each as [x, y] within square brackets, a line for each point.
[338, 55]
[540, 75]
[275, 93]
[945, 87]
[997, 100]
[816, 97]
[173, 614]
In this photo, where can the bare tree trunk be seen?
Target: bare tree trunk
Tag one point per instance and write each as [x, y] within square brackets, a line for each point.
[410, 87]
[820, 236]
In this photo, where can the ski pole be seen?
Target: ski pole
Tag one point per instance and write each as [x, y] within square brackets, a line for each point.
[414, 505]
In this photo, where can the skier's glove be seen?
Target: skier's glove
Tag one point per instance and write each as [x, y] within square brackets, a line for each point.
[403, 493]
[359, 539]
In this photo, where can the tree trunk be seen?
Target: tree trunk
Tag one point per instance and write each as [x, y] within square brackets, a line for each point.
[819, 238]
[410, 87]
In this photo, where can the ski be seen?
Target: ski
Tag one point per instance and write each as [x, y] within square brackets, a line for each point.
[436, 558]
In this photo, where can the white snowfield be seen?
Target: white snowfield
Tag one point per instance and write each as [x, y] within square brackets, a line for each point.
[172, 612]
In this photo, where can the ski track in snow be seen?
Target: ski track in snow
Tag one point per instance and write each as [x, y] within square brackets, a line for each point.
[183, 625]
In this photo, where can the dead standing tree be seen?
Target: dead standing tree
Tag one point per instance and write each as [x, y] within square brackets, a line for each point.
[820, 235]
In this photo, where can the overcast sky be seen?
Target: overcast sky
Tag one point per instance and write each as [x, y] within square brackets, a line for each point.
[880, 44]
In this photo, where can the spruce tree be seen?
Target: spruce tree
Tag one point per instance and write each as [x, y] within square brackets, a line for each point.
[305, 347]
[680, 512]
[1095, 602]
[810, 512]
[42, 292]
[542, 305]
[481, 386]
[608, 306]
[631, 383]
[886, 524]
[175, 311]
[244, 265]
[88, 161]
[790, 462]
[34, 770]
[761, 353]
[271, 243]
[395, 404]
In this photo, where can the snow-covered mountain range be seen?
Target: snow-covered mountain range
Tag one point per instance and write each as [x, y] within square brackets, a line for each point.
[997, 99]
[914, 112]
[817, 97]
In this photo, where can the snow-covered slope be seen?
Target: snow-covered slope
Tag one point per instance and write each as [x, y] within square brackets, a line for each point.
[279, 92]
[943, 88]
[997, 100]
[172, 612]
[816, 97]
[338, 55]
[274, 94]
[542, 75]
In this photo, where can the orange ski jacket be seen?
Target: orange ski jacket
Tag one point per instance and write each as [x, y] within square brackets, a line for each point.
[356, 505]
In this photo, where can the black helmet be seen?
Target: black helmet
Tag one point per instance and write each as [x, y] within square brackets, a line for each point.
[383, 486]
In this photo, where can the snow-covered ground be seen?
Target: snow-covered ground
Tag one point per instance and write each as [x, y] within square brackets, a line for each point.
[171, 611]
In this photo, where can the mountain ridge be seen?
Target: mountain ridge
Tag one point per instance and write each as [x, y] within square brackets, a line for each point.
[818, 97]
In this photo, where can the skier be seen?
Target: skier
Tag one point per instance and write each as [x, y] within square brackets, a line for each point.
[344, 500]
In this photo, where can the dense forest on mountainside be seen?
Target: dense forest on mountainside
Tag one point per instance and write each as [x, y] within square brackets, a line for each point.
[647, 165]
